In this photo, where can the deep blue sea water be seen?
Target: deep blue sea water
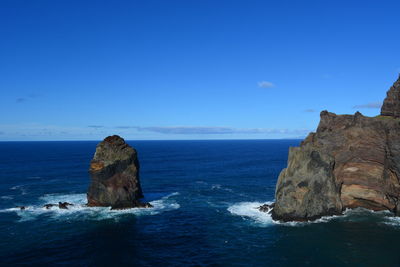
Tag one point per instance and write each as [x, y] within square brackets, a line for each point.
[205, 195]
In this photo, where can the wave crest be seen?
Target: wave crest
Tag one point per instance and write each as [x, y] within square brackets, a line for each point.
[249, 210]
[79, 211]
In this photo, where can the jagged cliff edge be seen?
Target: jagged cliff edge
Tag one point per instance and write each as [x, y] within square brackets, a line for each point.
[350, 161]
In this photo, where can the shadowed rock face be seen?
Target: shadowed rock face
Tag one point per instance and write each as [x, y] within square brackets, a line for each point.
[114, 171]
[351, 161]
[391, 105]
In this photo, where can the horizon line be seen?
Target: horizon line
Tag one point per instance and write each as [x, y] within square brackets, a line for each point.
[96, 140]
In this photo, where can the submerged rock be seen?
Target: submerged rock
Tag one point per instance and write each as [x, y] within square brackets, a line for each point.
[64, 205]
[145, 205]
[60, 205]
[266, 207]
[114, 172]
[351, 161]
[49, 206]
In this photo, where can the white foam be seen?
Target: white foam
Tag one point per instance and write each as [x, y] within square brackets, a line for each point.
[250, 210]
[21, 188]
[172, 195]
[392, 221]
[71, 198]
[323, 219]
[15, 209]
[220, 187]
[216, 186]
[81, 212]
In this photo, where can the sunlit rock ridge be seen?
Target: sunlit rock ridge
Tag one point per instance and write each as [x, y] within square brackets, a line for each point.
[350, 161]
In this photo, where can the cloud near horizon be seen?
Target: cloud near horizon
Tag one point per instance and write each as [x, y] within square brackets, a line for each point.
[218, 130]
[53, 132]
[35, 131]
[371, 105]
[265, 84]
[125, 127]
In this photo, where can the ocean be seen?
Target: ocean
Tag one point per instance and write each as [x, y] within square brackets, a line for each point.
[205, 195]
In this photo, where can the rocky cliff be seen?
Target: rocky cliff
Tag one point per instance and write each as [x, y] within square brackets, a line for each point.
[350, 161]
[391, 105]
[114, 172]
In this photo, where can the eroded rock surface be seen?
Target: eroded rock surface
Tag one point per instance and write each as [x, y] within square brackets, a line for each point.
[351, 161]
[391, 105]
[114, 171]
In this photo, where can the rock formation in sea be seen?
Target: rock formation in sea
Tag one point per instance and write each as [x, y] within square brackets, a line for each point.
[350, 161]
[114, 172]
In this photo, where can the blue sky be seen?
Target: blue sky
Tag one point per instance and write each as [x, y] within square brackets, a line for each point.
[82, 70]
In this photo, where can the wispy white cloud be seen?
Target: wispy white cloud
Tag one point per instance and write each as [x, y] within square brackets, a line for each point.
[36, 131]
[265, 84]
[218, 130]
[371, 105]
[55, 132]
[310, 110]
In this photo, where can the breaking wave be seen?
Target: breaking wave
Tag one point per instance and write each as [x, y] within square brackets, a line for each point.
[81, 212]
[249, 211]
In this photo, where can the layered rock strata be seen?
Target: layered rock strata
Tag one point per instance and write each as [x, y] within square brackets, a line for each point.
[391, 105]
[350, 161]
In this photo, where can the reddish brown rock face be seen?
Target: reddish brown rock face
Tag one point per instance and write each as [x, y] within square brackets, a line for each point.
[114, 171]
[351, 161]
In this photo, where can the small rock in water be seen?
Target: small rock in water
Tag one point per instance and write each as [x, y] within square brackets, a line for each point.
[48, 206]
[64, 205]
[21, 207]
[266, 207]
[146, 205]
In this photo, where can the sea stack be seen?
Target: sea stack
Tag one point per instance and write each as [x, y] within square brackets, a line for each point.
[350, 161]
[114, 172]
